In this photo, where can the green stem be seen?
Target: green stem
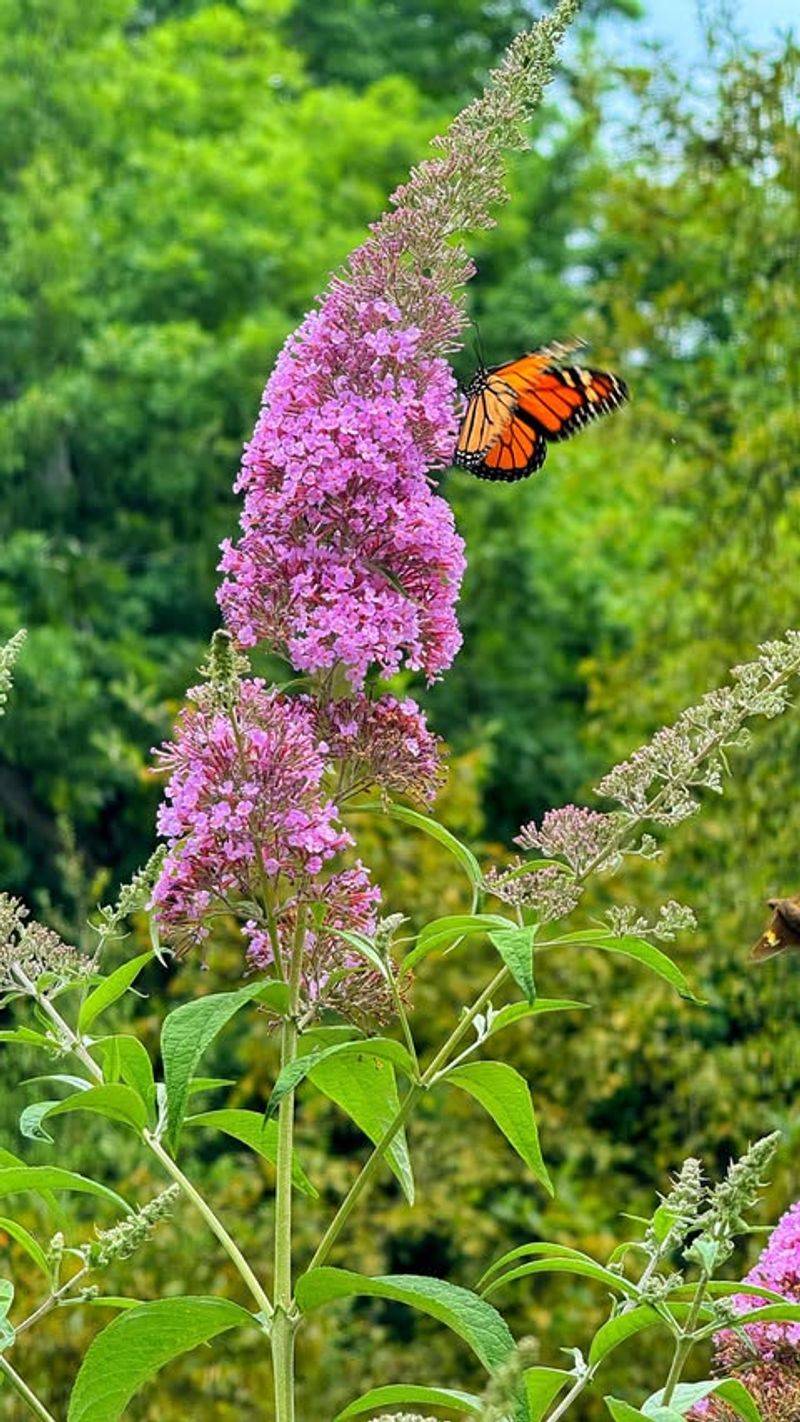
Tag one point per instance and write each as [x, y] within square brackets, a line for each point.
[22, 1390]
[685, 1342]
[51, 1301]
[71, 1039]
[366, 1176]
[285, 1324]
[216, 1226]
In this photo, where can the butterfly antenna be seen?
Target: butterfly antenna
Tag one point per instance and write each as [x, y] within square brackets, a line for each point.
[480, 355]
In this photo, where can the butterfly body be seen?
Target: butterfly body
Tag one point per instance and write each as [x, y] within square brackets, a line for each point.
[515, 410]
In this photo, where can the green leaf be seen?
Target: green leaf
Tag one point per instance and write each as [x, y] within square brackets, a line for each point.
[480, 1325]
[111, 989]
[27, 1036]
[515, 946]
[376, 1048]
[687, 1395]
[441, 932]
[542, 1386]
[49, 1177]
[30, 1121]
[505, 1095]
[109, 1301]
[618, 1330]
[727, 1288]
[527, 1251]
[6, 1296]
[27, 1242]
[252, 1130]
[623, 1412]
[516, 1011]
[125, 1058]
[639, 949]
[116, 1103]
[133, 1348]
[366, 1090]
[409, 1393]
[773, 1313]
[187, 1033]
[586, 1269]
[459, 851]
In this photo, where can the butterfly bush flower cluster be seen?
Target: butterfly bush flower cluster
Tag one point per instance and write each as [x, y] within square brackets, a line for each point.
[348, 565]
[765, 1356]
[348, 556]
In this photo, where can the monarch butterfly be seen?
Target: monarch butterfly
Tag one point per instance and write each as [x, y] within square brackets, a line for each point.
[514, 410]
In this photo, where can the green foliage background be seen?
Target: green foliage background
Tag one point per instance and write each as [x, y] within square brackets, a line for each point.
[178, 179]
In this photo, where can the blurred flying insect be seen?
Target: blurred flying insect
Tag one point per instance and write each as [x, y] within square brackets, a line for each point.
[515, 410]
[782, 931]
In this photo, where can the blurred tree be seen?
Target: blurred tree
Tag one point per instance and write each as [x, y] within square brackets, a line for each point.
[173, 198]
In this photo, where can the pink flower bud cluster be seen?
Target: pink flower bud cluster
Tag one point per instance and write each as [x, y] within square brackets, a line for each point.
[347, 554]
[244, 805]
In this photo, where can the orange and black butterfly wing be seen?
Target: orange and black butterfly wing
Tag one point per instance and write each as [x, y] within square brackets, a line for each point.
[495, 441]
[560, 400]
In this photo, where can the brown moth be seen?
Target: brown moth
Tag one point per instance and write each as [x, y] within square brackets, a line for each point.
[782, 931]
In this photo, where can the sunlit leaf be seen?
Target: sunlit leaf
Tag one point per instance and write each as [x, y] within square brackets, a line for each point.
[504, 1094]
[480, 1325]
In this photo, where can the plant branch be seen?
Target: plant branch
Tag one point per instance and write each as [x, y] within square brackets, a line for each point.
[79, 1048]
[22, 1390]
[285, 1324]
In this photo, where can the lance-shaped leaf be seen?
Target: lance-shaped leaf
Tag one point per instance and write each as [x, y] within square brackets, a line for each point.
[531, 1251]
[408, 1394]
[629, 946]
[623, 1412]
[252, 1130]
[517, 1011]
[515, 946]
[480, 1325]
[377, 1048]
[505, 1095]
[442, 932]
[42, 1178]
[138, 1343]
[125, 1058]
[459, 851]
[189, 1031]
[618, 1330]
[117, 1103]
[27, 1242]
[366, 949]
[586, 1269]
[366, 1089]
[110, 990]
[687, 1395]
[542, 1386]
